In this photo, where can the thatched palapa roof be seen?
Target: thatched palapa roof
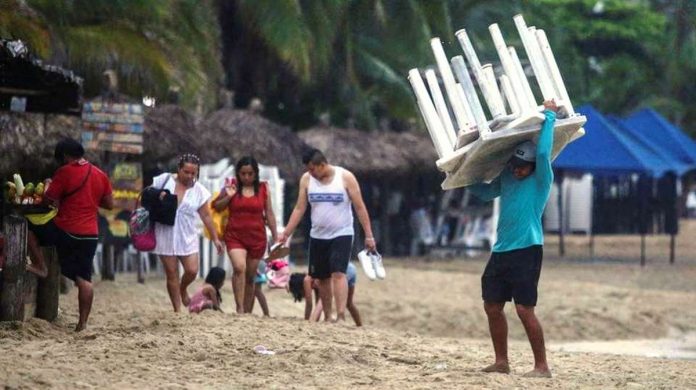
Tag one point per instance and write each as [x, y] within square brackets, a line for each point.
[416, 148]
[372, 153]
[235, 133]
[358, 151]
[169, 132]
[28, 142]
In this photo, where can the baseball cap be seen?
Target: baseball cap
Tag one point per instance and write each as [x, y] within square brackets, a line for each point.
[525, 153]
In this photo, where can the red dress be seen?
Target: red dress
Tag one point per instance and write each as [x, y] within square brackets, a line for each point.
[246, 226]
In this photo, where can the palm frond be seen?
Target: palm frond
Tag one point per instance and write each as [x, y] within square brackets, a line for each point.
[141, 64]
[281, 24]
[18, 22]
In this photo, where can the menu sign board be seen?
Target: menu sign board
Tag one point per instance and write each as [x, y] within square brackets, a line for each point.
[113, 127]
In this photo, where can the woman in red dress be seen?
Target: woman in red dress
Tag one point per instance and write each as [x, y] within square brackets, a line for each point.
[250, 210]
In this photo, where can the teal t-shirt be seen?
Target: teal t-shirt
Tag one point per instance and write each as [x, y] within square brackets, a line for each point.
[522, 202]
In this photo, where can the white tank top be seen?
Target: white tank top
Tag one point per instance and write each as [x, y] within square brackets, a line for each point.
[332, 215]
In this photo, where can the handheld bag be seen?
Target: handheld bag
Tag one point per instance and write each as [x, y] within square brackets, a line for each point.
[161, 210]
[142, 230]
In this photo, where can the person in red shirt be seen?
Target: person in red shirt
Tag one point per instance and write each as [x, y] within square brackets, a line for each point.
[251, 210]
[78, 189]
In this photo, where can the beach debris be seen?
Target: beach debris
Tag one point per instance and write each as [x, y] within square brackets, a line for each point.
[261, 350]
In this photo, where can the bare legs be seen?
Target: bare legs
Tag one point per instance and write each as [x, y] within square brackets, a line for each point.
[238, 259]
[258, 292]
[244, 272]
[190, 264]
[536, 338]
[351, 307]
[85, 297]
[334, 288]
[38, 263]
[176, 288]
[497, 324]
[249, 286]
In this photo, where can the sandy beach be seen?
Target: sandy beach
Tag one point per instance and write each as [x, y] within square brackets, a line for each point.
[425, 328]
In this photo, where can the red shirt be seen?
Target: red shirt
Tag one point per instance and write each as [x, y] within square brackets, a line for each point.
[77, 214]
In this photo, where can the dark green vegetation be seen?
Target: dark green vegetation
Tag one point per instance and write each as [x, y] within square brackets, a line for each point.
[350, 57]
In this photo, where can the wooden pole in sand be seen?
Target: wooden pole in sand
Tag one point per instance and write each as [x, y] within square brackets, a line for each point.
[141, 268]
[642, 250]
[561, 221]
[108, 262]
[12, 294]
[671, 248]
[48, 289]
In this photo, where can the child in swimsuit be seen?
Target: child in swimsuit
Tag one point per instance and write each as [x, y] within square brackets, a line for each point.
[208, 295]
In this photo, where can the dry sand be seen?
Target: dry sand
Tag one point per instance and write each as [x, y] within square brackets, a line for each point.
[424, 329]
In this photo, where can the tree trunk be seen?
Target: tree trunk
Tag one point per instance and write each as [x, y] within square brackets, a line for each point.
[12, 294]
[48, 289]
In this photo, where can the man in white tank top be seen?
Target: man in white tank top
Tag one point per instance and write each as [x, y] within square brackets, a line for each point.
[330, 190]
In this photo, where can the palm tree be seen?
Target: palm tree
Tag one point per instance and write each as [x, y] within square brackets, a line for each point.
[348, 57]
[153, 45]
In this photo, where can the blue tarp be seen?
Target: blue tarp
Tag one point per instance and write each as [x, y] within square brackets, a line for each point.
[675, 165]
[664, 135]
[604, 150]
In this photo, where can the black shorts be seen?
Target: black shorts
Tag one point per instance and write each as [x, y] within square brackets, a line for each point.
[329, 256]
[75, 254]
[513, 275]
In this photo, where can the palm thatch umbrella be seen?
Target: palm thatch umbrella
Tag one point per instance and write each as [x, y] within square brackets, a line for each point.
[235, 133]
[362, 152]
[416, 149]
[170, 131]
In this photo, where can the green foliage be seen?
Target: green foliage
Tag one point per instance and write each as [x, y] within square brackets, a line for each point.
[152, 44]
[351, 57]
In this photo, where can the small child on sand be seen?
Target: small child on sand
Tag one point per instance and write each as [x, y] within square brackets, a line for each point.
[208, 295]
[301, 286]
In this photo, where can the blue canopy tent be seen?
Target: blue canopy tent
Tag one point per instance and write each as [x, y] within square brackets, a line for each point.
[606, 150]
[644, 141]
[664, 135]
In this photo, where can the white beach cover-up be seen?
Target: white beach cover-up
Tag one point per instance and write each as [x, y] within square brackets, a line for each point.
[182, 238]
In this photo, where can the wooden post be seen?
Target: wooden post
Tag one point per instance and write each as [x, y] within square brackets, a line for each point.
[108, 263]
[48, 289]
[561, 220]
[671, 248]
[12, 294]
[642, 250]
[141, 267]
[384, 226]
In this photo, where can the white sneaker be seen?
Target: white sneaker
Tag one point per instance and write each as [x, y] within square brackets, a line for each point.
[366, 263]
[378, 265]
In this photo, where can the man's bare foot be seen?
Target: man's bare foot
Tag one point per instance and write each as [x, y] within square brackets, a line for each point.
[80, 327]
[501, 368]
[40, 272]
[538, 374]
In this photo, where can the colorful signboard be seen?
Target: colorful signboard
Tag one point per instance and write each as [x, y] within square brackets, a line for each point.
[113, 127]
[127, 182]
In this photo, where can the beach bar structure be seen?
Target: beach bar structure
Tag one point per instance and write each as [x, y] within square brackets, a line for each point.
[473, 146]
[30, 90]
